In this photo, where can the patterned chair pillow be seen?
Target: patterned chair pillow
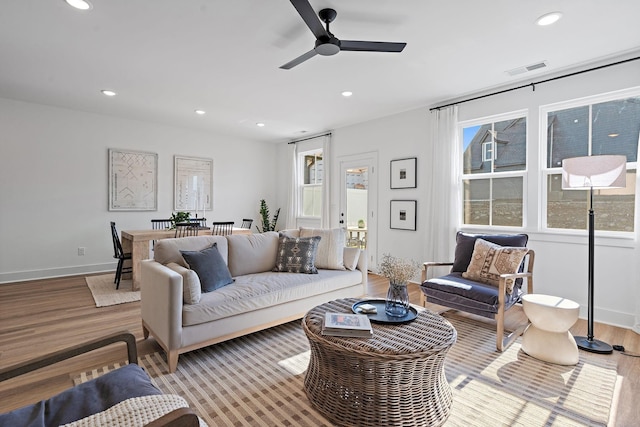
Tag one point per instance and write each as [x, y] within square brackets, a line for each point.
[297, 254]
[489, 261]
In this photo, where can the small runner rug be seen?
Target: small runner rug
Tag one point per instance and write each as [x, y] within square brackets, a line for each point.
[257, 380]
[104, 291]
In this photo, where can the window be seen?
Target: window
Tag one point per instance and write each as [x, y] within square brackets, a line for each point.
[494, 166]
[601, 125]
[311, 189]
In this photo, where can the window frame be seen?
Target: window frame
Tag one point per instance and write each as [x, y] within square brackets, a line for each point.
[546, 171]
[488, 148]
[462, 177]
[317, 153]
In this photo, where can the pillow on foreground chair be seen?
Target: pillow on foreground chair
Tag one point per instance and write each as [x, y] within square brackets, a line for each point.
[486, 278]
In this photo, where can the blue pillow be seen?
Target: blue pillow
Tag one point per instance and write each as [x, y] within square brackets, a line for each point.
[210, 268]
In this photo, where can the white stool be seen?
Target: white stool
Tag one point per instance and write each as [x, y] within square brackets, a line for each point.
[547, 337]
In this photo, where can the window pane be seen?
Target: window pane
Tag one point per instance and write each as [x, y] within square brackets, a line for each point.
[510, 138]
[615, 127]
[313, 168]
[614, 209]
[312, 200]
[495, 147]
[507, 201]
[567, 135]
[476, 201]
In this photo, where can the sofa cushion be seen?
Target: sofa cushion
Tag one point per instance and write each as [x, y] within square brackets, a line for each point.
[465, 243]
[210, 268]
[297, 255]
[168, 250]
[489, 261]
[191, 288]
[252, 253]
[331, 247]
[351, 257]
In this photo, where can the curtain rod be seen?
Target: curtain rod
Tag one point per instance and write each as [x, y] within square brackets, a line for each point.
[533, 85]
[311, 137]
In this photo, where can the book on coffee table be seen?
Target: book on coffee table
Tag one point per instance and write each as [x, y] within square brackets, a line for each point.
[347, 325]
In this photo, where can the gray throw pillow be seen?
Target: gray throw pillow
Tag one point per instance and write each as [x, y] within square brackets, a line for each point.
[209, 266]
[297, 254]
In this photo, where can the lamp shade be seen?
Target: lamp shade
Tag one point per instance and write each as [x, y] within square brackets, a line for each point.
[580, 173]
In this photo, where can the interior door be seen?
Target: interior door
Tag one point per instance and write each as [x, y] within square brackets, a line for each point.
[358, 202]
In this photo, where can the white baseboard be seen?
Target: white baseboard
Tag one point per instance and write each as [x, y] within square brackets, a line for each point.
[21, 276]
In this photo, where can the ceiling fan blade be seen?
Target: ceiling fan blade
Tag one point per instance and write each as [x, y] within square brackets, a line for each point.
[299, 60]
[364, 46]
[310, 17]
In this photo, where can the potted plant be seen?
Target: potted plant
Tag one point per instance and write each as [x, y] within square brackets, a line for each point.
[267, 225]
[178, 217]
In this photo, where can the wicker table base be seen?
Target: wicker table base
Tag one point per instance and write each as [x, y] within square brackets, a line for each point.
[395, 378]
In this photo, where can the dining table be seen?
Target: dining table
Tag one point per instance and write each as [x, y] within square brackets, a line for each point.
[137, 242]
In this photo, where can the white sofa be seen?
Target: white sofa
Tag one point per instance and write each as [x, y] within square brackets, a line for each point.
[182, 320]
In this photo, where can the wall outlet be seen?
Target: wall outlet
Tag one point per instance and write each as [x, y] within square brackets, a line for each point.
[81, 251]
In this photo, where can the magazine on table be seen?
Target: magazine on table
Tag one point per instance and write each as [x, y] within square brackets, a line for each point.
[347, 325]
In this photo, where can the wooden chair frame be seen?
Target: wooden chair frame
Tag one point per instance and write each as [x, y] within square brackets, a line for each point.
[502, 342]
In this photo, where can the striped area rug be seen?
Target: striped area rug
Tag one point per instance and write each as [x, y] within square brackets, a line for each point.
[257, 380]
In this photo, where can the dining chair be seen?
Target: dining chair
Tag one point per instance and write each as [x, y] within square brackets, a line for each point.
[185, 229]
[222, 228]
[246, 223]
[119, 254]
[201, 222]
[161, 224]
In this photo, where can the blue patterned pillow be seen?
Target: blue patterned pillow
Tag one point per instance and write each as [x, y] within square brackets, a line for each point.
[297, 254]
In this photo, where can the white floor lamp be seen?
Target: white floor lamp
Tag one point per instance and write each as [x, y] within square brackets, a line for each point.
[589, 173]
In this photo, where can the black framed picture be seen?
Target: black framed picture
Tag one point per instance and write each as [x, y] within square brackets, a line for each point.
[403, 214]
[403, 173]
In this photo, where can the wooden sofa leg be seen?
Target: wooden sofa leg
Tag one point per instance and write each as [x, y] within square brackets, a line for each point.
[172, 360]
[145, 332]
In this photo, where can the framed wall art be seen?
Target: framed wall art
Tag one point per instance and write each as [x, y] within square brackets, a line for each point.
[133, 180]
[403, 214]
[403, 173]
[193, 184]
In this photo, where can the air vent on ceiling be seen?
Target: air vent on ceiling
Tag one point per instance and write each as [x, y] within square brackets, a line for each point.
[526, 68]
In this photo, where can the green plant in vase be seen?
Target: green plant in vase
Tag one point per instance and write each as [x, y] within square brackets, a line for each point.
[178, 217]
[267, 225]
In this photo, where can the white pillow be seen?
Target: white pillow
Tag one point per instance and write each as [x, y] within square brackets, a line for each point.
[351, 256]
[331, 248]
[191, 288]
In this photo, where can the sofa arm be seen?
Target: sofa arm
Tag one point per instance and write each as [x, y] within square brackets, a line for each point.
[161, 303]
[363, 265]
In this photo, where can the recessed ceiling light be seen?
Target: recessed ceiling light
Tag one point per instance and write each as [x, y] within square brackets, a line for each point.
[549, 18]
[79, 4]
[200, 112]
[347, 93]
[108, 92]
[260, 124]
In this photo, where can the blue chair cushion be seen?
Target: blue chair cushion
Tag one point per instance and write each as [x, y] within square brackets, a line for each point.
[456, 292]
[465, 243]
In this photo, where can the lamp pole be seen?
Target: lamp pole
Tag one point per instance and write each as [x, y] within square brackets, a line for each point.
[588, 343]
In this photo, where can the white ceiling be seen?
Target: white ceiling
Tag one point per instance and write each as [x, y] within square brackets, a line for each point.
[166, 58]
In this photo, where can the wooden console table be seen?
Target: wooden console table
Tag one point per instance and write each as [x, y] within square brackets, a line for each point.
[137, 243]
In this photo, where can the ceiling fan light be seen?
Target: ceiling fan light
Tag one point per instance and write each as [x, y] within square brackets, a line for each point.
[548, 18]
[79, 4]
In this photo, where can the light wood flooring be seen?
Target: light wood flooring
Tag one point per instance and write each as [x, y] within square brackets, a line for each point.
[42, 316]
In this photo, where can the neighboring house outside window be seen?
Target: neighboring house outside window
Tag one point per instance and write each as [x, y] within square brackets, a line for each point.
[608, 124]
[312, 169]
[494, 168]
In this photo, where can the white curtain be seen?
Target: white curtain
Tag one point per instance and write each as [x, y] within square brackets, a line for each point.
[294, 184]
[443, 192]
[325, 221]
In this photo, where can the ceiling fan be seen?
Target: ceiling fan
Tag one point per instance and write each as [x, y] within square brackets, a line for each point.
[326, 43]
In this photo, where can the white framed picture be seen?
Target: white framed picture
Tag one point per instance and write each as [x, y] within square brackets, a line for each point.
[193, 184]
[403, 173]
[133, 180]
[403, 214]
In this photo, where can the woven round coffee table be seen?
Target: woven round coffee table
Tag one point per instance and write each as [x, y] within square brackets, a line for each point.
[394, 378]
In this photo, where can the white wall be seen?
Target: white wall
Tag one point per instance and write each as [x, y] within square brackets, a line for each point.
[561, 260]
[53, 184]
